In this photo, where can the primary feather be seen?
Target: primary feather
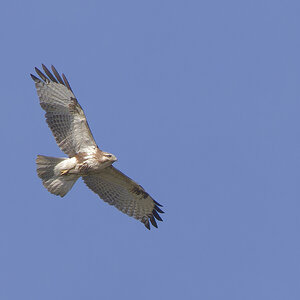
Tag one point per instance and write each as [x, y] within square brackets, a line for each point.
[64, 114]
[70, 128]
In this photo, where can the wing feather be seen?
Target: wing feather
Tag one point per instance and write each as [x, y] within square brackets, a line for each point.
[64, 115]
[117, 189]
[49, 74]
[57, 75]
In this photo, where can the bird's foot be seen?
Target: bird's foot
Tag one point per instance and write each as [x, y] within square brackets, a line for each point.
[64, 172]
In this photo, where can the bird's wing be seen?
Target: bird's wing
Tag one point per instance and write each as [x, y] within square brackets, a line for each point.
[64, 114]
[117, 189]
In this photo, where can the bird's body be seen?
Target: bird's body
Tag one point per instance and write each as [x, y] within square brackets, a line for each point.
[85, 163]
[69, 126]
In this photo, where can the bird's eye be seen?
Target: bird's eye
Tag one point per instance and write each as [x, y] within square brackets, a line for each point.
[109, 155]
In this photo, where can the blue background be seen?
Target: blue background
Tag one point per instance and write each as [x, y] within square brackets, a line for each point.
[199, 100]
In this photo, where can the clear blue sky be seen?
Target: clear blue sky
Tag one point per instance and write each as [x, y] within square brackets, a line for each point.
[200, 101]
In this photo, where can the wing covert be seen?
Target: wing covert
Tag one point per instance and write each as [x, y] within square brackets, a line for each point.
[64, 115]
[117, 189]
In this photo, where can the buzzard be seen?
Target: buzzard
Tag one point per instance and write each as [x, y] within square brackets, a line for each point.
[69, 126]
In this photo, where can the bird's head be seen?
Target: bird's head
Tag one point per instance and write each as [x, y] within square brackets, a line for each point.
[108, 158]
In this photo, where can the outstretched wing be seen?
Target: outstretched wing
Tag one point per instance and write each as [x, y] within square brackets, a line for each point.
[64, 114]
[117, 189]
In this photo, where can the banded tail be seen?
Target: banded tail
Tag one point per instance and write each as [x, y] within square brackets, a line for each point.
[53, 180]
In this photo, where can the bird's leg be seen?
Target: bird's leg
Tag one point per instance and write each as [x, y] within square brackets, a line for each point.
[63, 172]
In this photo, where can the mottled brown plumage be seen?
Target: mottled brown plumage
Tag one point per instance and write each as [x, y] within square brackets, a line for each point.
[68, 123]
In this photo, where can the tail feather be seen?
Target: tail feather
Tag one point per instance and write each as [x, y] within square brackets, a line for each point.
[53, 181]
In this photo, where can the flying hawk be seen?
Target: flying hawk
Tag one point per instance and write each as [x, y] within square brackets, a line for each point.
[69, 126]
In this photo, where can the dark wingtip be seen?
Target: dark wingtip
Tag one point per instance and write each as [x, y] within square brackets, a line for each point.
[67, 84]
[35, 79]
[48, 73]
[56, 74]
[152, 220]
[54, 78]
[147, 225]
[158, 209]
[157, 203]
[41, 74]
[156, 215]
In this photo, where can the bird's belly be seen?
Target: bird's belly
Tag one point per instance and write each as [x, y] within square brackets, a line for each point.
[90, 166]
[65, 166]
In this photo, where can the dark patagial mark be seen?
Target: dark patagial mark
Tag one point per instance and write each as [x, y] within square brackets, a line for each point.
[138, 190]
[75, 107]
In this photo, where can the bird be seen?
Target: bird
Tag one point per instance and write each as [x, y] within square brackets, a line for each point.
[67, 121]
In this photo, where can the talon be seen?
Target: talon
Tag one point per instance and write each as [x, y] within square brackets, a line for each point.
[64, 172]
